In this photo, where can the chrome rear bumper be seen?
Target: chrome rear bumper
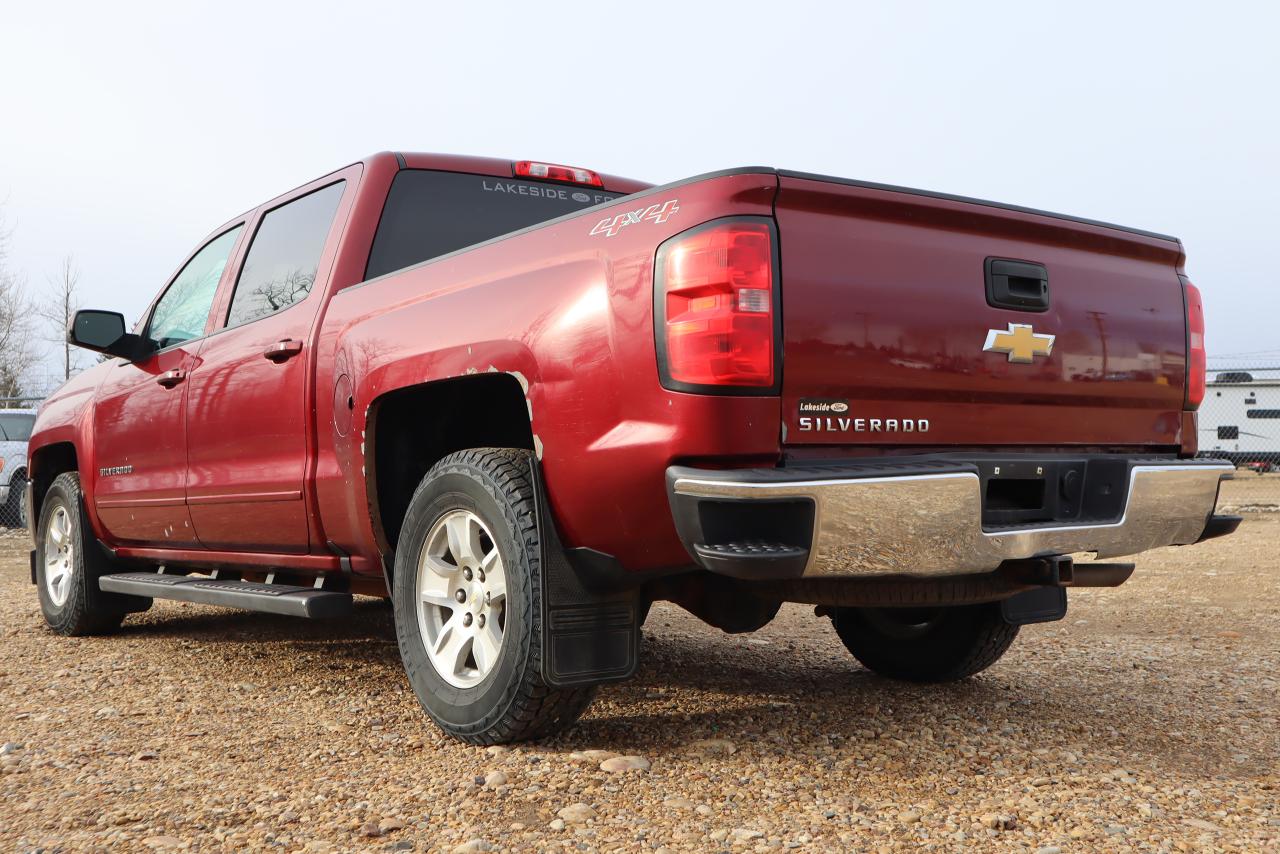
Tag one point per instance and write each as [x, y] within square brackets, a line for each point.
[922, 519]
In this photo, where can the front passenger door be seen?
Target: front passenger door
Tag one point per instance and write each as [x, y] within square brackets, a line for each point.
[139, 419]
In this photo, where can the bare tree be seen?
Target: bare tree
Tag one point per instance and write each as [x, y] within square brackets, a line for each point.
[270, 296]
[17, 355]
[59, 309]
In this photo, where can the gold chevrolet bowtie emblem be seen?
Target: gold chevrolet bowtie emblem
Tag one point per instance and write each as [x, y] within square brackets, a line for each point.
[1020, 341]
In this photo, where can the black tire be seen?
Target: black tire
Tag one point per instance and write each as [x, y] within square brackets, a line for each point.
[511, 703]
[85, 610]
[939, 644]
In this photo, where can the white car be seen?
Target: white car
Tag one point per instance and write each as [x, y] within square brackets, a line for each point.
[15, 430]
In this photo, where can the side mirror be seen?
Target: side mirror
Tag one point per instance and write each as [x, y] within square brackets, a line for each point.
[104, 332]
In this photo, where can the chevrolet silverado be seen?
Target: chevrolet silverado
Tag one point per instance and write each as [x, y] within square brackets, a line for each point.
[524, 401]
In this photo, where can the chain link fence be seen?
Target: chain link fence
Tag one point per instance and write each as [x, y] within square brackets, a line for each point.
[1240, 423]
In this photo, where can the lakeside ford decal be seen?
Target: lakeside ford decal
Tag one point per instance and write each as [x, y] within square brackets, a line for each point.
[658, 213]
[540, 191]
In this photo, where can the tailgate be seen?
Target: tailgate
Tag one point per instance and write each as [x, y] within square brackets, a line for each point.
[890, 337]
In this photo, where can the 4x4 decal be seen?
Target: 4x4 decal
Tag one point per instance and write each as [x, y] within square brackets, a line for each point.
[659, 213]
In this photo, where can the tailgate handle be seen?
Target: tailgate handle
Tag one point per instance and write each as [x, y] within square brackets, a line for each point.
[1019, 285]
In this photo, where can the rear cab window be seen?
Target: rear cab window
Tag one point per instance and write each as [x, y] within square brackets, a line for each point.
[280, 267]
[429, 213]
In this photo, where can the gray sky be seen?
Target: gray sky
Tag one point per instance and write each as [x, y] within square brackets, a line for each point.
[128, 131]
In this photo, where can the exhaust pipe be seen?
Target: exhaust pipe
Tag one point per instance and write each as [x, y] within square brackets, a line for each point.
[1101, 574]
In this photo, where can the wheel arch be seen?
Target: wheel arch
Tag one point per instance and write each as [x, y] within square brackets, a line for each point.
[411, 428]
[44, 465]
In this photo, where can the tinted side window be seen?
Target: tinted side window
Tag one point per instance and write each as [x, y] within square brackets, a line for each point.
[1228, 432]
[181, 313]
[280, 267]
[428, 214]
[1262, 413]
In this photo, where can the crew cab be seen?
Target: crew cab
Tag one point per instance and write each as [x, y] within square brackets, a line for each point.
[524, 401]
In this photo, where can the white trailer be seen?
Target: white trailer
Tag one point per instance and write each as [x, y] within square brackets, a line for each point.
[1240, 420]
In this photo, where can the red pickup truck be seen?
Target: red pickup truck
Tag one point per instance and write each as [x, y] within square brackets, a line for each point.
[524, 401]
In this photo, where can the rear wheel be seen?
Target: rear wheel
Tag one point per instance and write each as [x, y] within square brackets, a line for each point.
[926, 644]
[69, 562]
[467, 599]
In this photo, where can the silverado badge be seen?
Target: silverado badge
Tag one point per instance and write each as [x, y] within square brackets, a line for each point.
[1020, 341]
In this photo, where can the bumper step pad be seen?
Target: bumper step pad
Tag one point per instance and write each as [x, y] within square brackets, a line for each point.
[249, 595]
[760, 556]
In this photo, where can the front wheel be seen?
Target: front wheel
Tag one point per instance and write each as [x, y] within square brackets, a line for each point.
[926, 644]
[467, 599]
[69, 562]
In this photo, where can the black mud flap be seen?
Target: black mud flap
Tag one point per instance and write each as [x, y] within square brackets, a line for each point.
[588, 636]
[1040, 605]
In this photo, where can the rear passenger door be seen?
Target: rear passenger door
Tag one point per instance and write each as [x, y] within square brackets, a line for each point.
[249, 403]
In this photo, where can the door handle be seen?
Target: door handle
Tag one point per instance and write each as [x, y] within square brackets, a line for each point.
[169, 379]
[282, 351]
[1018, 285]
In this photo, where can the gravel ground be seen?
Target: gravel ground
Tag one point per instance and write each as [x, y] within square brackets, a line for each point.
[1147, 720]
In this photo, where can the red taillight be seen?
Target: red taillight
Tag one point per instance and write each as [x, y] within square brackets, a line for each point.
[1196, 359]
[715, 295]
[556, 172]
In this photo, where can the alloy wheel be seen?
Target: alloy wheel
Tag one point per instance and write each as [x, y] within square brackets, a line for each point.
[461, 598]
[59, 556]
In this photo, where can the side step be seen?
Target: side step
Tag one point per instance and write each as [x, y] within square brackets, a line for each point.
[250, 595]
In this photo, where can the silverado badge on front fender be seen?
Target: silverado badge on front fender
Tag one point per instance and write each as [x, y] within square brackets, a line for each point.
[1020, 341]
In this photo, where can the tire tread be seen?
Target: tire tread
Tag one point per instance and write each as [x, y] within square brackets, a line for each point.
[530, 708]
